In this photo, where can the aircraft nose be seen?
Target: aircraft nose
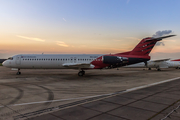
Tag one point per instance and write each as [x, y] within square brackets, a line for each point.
[4, 63]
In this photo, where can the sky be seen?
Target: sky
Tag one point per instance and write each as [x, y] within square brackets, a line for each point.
[87, 26]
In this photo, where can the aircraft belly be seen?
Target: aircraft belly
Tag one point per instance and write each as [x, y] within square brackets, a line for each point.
[138, 65]
[136, 60]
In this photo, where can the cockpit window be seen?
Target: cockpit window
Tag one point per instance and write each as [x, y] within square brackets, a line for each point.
[10, 58]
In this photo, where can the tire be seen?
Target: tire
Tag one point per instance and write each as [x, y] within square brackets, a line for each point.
[80, 73]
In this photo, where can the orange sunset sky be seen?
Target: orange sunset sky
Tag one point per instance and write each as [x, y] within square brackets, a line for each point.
[86, 26]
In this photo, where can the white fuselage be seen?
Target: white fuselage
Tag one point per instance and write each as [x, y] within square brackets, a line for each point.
[152, 64]
[51, 61]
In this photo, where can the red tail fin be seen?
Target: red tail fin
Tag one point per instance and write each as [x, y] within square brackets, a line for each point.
[146, 45]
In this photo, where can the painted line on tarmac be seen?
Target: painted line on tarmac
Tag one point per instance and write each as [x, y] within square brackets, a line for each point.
[152, 84]
[40, 102]
[124, 91]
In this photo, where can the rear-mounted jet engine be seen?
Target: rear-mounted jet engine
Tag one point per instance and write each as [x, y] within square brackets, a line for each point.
[114, 61]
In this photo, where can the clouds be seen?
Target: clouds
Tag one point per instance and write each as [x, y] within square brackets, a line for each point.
[61, 43]
[160, 43]
[31, 38]
[162, 33]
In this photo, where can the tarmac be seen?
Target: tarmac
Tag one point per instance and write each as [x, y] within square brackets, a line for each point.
[100, 94]
[159, 102]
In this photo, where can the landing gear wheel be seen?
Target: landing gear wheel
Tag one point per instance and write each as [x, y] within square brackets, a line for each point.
[81, 73]
[18, 73]
[158, 69]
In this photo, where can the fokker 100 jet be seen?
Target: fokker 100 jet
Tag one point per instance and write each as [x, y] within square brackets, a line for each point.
[84, 62]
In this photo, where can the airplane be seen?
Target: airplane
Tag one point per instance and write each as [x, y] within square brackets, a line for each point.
[158, 64]
[83, 61]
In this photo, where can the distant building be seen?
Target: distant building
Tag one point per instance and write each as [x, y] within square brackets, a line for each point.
[2, 60]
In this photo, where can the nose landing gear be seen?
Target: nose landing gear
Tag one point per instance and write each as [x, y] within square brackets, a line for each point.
[18, 73]
[81, 73]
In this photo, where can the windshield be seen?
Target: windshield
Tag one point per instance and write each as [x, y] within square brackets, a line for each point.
[10, 58]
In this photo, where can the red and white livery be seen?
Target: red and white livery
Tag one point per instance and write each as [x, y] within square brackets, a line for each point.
[83, 61]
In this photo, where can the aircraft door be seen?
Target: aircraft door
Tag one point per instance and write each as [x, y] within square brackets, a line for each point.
[18, 60]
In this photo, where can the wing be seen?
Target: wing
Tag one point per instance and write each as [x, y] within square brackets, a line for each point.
[77, 65]
[161, 63]
[160, 60]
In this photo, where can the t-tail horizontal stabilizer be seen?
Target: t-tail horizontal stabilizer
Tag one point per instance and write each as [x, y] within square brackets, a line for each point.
[160, 38]
[146, 45]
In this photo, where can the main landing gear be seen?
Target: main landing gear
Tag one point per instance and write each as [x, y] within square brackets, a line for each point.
[158, 69]
[81, 73]
[18, 72]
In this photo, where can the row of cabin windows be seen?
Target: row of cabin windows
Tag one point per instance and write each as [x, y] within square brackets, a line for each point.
[64, 59]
